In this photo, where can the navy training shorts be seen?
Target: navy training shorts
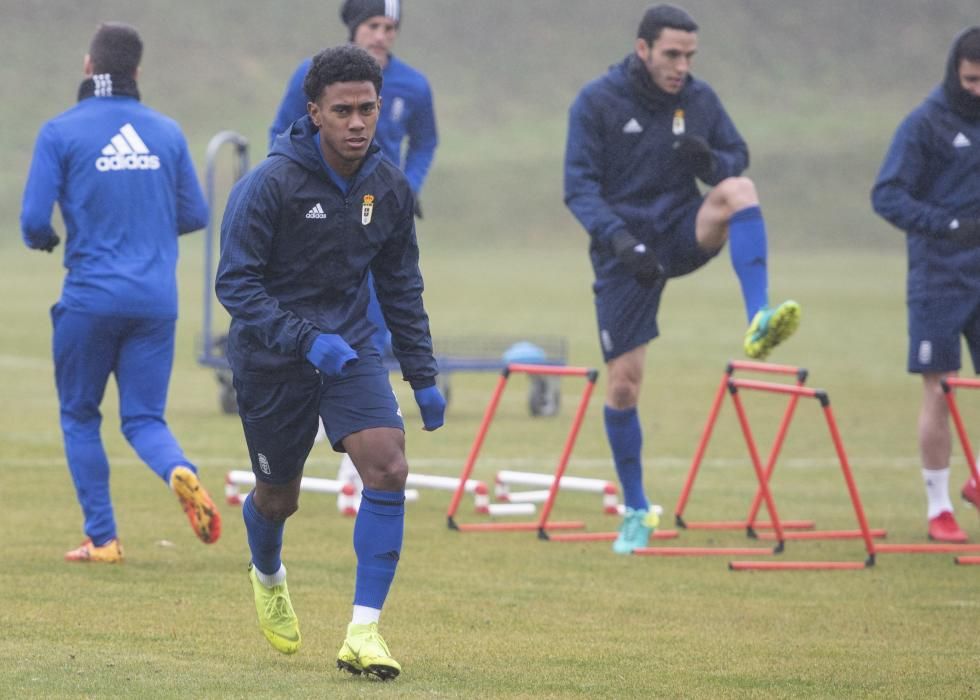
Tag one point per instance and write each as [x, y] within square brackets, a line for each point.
[935, 327]
[280, 419]
[625, 310]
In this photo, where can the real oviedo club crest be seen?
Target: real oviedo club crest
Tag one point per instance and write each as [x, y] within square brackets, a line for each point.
[367, 209]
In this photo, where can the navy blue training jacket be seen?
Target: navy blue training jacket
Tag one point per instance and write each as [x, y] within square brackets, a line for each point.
[295, 253]
[620, 171]
[930, 176]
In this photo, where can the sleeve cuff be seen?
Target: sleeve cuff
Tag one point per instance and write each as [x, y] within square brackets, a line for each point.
[423, 383]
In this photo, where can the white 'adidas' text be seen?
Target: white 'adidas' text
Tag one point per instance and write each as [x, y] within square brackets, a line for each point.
[126, 151]
[316, 212]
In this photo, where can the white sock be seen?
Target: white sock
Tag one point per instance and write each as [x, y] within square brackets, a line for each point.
[364, 615]
[270, 580]
[937, 491]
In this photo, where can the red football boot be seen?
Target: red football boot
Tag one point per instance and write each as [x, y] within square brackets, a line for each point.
[943, 528]
[970, 493]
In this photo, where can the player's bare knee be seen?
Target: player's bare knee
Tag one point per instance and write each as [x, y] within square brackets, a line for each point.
[388, 474]
[738, 193]
[275, 503]
[623, 395]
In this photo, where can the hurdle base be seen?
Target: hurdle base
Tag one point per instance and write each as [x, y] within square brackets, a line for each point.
[799, 565]
[934, 548]
[513, 527]
[701, 551]
[741, 524]
[600, 536]
[875, 533]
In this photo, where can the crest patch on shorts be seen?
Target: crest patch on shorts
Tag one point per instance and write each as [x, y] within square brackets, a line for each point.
[607, 342]
[264, 464]
[925, 352]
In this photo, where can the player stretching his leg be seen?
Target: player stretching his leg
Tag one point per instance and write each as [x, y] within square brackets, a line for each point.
[639, 138]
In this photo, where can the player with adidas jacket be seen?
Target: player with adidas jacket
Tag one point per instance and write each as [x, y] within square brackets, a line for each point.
[639, 139]
[123, 179]
[299, 235]
[929, 186]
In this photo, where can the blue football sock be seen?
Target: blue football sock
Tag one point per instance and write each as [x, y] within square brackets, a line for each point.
[378, 532]
[747, 245]
[264, 538]
[626, 440]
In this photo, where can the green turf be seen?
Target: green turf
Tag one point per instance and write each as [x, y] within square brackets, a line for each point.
[816, 89]
[503, 614]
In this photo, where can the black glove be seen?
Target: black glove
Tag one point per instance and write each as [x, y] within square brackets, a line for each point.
[50, 244]
[966, 232]
[694, 155]
[637, 259]
[418, 209]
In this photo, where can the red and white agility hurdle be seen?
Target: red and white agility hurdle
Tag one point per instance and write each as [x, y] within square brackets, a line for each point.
[508, 478]
[554, 482]
[348, 491]
[347, 495]
[781, 530]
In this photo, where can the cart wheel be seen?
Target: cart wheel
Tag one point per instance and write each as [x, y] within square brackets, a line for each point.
[442, 383]
[227, 396]
[544, 397]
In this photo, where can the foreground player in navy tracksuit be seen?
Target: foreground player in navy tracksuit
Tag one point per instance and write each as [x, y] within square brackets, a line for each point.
[638, 139]
[407, 123]
[299, 236]
[929, 186]
[124, 181]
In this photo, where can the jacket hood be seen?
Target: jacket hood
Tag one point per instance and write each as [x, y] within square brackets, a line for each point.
[960, 101]
[298, 145]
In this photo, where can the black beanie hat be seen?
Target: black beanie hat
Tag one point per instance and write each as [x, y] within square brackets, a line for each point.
[660, 16]
[354, 12]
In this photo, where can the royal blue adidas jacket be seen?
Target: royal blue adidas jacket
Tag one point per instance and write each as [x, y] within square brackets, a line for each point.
[295, 254]
[619, 166]
[125, 184]
[930, 176]
[406, 111]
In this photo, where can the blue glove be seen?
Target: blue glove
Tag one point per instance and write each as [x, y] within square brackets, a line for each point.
[432, 407]
[331, 354]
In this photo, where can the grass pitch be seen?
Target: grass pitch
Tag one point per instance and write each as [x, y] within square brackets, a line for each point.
[503, 614]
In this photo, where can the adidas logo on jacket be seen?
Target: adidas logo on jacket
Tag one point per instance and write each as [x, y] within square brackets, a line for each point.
[126, 151]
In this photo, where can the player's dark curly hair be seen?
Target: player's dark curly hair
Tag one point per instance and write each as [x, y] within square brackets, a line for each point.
[116, 48]
[341, 64]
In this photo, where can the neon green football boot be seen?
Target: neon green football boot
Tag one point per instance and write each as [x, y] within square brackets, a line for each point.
[770, 327]
[277, 619]
[364, 651]
[636, 529]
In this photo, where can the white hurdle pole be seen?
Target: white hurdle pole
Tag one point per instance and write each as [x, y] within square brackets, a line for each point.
[347, 473]
[494, 509]
[506, 478]
[237, 478]
[481, 495]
